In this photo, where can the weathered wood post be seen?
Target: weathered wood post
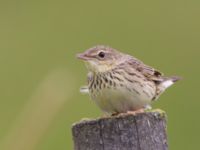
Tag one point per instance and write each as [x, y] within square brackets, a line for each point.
[143, 131]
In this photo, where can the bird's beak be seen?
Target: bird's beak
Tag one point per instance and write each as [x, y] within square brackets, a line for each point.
[82, 56]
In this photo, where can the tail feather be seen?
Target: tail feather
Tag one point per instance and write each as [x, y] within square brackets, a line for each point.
[164, 84]
[175, 78]
[168, 81]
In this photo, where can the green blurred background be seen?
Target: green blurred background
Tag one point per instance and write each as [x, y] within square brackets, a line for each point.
[40, 76]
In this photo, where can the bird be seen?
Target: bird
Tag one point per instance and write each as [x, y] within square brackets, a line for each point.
[120, 83]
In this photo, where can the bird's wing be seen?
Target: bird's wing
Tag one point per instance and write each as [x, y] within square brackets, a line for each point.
[84, 89]
[147, 71]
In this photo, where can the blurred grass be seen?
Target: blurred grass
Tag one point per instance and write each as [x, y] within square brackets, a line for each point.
[37, 37]
[39, 112]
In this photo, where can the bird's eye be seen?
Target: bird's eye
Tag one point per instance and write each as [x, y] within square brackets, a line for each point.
[101, 54]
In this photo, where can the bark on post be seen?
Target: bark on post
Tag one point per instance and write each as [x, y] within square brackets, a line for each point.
[143, 131]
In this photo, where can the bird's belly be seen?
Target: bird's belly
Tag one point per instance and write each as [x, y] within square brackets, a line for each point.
[119, 100]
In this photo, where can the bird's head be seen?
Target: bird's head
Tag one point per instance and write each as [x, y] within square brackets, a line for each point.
[100, 58]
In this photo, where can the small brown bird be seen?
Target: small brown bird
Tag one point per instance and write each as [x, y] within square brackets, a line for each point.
[120, 83]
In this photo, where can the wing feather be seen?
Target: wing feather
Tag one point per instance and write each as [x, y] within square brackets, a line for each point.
[148, 71]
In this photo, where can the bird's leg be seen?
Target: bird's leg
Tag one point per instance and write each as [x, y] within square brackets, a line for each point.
[141, 110]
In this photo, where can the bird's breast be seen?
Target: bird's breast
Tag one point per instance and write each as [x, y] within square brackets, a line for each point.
[118, 94]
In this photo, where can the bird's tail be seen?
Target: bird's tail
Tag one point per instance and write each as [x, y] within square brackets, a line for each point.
[168, 81]
[164, 84]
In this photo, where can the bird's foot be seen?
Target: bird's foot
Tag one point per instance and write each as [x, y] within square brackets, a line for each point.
[141, 110]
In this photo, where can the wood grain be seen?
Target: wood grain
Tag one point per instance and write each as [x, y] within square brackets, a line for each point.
[143, 131]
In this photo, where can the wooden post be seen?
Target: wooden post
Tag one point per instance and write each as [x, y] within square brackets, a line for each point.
[143, 131]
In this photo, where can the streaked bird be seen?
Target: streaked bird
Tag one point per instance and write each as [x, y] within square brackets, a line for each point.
[121, 83]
